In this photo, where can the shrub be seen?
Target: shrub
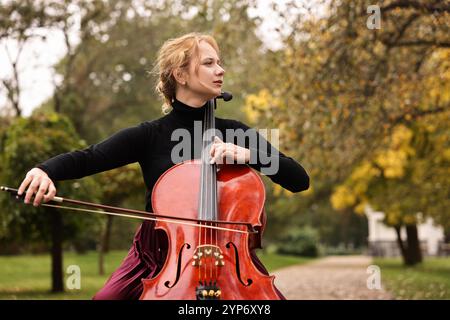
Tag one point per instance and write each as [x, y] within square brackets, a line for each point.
[300, 241]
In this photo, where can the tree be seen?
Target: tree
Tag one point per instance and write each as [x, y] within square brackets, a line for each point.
[340, 89]
[27, 143]
[403, 180]
[18, 25]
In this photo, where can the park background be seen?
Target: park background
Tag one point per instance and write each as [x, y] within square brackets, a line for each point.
[359, 91]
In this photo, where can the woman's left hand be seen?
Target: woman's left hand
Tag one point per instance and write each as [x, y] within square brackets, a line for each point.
[222, 152]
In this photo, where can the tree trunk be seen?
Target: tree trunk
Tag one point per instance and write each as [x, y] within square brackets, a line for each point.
[411, 252]
[414, 251]
[57, 255]
[399, 240]
[107, 236]
[344, 228]
[101, 264]
[104, 245]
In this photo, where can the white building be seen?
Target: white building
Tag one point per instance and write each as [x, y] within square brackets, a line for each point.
[382, 240]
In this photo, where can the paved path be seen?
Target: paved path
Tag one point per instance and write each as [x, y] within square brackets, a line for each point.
[330, 278]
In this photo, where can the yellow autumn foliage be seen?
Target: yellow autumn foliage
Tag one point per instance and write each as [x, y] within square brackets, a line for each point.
[393, 216]
[308, 192]
[342, 198]
[438, 87]
[256, 104]
[352, 191]
[409, 219]
[364, 172]
[279, 190]
[394, 160]
[361, 207]
[446, 154]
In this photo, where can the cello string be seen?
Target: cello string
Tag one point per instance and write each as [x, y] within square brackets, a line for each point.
[206, 181]
[214, 203]
[200, 213]
[207, 166]
[202, 191]
[210, 185]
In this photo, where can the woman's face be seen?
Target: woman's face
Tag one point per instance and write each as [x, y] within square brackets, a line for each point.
[206, 82]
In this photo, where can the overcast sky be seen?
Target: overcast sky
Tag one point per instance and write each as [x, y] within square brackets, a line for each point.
[38, 57]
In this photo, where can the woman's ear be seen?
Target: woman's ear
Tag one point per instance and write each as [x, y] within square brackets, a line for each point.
[179, 76]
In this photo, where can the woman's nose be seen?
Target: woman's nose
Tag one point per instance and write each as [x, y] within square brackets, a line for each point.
[220, 70]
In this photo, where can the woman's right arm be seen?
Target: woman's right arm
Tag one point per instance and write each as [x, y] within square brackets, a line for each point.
[124, 147]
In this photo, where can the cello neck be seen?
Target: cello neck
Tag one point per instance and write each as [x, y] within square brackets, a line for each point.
[208, 180]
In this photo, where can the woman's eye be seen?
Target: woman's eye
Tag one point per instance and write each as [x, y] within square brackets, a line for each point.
[209, 63]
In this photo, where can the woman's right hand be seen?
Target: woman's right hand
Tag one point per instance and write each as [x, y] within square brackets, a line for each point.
[39, 184]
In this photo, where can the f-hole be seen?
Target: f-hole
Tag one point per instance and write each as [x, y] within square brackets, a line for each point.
[238, 271]
[167, 283]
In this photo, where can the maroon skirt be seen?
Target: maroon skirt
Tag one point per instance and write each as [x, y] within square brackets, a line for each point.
[144, 260]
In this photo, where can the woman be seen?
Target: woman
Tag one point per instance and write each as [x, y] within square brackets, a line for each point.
[190, 74]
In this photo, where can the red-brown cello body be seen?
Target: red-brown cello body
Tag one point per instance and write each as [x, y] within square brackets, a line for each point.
[241, 198]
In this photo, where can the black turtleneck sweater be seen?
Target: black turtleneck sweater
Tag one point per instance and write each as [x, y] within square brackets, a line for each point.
[149, 143]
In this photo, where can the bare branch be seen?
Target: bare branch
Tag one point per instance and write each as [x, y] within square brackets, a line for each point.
[430, 7]
[12, 86]
[405, 43]
[418, 114]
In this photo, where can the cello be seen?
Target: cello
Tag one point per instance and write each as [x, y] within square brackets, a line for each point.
[206, 262]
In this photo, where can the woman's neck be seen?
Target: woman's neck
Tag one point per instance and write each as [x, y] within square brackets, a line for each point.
[192, 101]
[185, 114]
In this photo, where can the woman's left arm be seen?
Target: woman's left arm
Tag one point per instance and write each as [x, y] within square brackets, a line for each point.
[259, 154]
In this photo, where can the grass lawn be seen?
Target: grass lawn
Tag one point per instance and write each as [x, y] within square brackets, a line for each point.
[429, 280]
[28, 276]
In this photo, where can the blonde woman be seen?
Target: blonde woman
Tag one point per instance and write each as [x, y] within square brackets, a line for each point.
[190, 74]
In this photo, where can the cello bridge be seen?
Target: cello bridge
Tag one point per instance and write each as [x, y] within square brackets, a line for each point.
[208, 251]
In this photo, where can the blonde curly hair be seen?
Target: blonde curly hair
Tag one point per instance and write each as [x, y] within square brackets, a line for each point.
[177, 53]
